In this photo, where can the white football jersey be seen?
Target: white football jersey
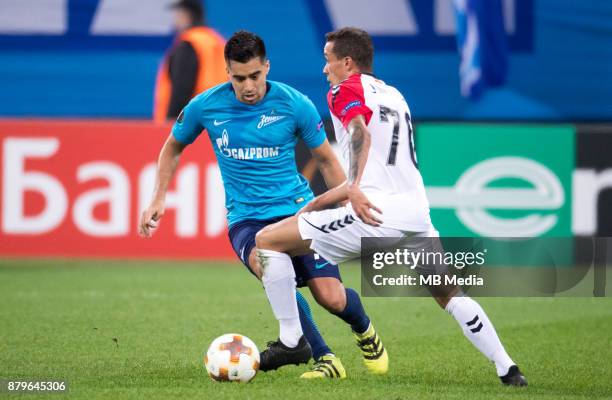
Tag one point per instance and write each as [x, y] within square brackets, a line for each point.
[391, 179]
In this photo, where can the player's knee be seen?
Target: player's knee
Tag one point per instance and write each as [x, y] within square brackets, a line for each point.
[263, 239]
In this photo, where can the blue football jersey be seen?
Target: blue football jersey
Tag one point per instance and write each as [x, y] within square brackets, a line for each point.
[255, 147]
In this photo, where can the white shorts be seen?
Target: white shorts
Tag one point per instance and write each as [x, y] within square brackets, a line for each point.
[336, 233]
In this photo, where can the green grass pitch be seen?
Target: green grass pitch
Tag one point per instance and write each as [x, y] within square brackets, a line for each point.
[139, 329]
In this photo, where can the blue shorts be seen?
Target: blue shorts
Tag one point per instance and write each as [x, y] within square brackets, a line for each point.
[242, 236]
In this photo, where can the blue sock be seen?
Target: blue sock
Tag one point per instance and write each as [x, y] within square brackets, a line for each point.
[354, 314]
[311, 332]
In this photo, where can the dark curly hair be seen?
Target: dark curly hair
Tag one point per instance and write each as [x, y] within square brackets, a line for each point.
[243, 46]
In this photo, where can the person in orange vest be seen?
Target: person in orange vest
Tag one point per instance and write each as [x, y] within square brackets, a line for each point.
[194, 63]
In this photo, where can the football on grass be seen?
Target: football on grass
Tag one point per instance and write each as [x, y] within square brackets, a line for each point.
[232, 357]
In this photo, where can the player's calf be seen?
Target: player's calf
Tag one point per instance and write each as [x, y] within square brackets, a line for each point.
[329, 293]
[480, 331]
[279, 283]
[254, 264]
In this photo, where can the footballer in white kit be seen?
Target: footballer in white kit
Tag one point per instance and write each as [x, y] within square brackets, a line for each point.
[384, 196]
[390, 180]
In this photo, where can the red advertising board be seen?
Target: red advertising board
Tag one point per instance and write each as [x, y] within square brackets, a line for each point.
[76, 189]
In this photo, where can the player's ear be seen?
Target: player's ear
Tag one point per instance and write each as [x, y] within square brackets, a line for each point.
[267, 66]
[348, 62]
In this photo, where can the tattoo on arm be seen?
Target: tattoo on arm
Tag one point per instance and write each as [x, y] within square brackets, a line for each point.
[358, 148]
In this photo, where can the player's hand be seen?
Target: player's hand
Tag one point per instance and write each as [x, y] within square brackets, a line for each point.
[362, 206]
[150, 219]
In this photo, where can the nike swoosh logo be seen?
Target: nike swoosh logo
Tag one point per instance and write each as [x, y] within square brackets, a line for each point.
[319, 266]
[217, 123]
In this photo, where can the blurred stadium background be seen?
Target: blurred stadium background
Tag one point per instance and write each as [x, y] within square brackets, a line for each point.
[77, 82]
[79, 147]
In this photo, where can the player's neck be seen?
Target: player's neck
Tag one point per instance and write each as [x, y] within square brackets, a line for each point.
[358, 72]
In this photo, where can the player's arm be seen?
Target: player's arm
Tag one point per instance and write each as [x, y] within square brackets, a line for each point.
[311, 130]
[185, 130]
[347, 103]
[327, 162]
[359, 146]
[166, 167]
[328, 165]
[328, 199]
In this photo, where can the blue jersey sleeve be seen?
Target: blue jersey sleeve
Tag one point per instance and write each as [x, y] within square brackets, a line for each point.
[309, 123]
[188, 126]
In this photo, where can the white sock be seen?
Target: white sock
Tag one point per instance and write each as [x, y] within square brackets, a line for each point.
[278, 279]
[480, 331]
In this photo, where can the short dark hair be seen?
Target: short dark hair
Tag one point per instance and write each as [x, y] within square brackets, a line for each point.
[355, 43]
[243, 46]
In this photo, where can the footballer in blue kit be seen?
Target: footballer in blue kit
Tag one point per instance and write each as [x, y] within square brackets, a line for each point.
[254, 125]
[255, 147]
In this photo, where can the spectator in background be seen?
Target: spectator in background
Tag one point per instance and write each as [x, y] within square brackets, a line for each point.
[194, 63]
